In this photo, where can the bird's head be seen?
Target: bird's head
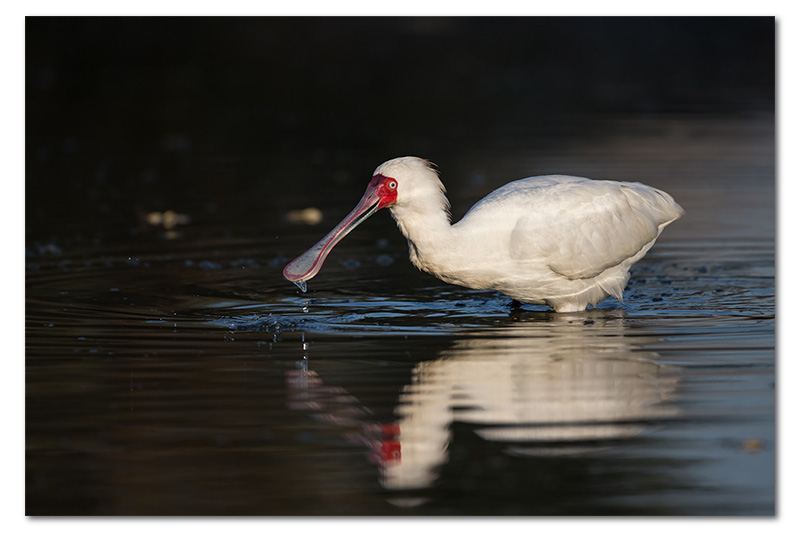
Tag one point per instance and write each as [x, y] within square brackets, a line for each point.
[397, 183]
[414, 182]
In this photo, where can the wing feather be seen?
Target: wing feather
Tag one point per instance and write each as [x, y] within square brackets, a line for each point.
[582, 227]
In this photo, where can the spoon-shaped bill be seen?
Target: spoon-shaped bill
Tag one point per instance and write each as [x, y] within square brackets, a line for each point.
[308, 264]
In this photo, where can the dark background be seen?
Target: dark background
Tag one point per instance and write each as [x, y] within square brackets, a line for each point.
[224, 116]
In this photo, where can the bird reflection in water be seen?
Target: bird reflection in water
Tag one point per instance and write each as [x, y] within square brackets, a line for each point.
[556, 387]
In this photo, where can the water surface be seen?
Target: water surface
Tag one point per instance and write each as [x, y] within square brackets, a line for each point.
[171, 370]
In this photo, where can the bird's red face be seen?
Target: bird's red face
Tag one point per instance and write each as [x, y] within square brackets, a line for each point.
[381, 192]
[385, 188]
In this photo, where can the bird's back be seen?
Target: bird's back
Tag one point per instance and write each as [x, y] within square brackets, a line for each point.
[557, 193]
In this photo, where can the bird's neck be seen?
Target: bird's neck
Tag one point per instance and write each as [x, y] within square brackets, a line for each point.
[431, 239]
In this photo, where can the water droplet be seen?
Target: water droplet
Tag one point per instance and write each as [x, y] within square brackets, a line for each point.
[301, 285]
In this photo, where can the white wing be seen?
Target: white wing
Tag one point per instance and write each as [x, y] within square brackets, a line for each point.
[581, 227]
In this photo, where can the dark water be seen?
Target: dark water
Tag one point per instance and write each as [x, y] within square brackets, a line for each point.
[171, 370]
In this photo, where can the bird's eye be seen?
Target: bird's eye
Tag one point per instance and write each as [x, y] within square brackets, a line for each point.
[392, 184]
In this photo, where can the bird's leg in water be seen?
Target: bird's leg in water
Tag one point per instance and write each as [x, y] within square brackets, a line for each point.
[515, 311]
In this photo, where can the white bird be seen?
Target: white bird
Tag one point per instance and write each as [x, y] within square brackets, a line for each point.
[561, 241]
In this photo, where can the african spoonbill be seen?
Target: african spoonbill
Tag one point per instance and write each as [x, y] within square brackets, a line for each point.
[561, 241]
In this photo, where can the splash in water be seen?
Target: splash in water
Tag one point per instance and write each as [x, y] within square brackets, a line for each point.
[301, 285]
